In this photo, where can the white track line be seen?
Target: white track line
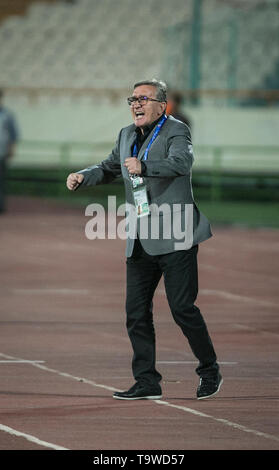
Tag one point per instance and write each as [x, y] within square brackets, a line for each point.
[48, 291]
[30, 438]
[230, 296]
[236, 297]
[226, 422]
[20, 361]
[220, 420]
[255, 330]
[63, 374]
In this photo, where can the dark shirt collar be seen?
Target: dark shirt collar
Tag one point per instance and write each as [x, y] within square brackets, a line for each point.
[147, 129]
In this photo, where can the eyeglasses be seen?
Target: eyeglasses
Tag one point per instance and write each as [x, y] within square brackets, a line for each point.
[142, 100]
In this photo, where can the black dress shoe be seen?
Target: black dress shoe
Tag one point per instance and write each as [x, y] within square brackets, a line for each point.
[209, 386]
[140, 392]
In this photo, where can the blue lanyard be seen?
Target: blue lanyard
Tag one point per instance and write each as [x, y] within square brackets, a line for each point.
[155, 134]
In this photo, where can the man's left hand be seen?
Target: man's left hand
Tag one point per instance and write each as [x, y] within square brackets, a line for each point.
[133, 166]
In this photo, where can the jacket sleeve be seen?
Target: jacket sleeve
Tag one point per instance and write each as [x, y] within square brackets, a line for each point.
[179, 158]
[104, 172]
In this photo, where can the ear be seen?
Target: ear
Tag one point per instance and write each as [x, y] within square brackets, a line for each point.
[163, 107]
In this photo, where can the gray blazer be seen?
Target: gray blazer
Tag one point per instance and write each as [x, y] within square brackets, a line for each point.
[174, 222]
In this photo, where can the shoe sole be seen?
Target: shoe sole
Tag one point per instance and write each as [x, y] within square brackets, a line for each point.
[150, 397]
[212, 394]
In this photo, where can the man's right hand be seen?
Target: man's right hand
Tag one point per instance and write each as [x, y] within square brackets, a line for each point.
[74, 180]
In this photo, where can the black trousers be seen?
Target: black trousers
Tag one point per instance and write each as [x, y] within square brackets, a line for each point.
[181, 284]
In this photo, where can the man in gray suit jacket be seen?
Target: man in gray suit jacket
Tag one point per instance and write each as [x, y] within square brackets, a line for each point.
[154, 156]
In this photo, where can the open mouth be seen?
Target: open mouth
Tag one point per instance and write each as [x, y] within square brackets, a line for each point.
[139, 114]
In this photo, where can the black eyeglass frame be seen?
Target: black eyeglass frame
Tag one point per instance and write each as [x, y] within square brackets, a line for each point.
[141, 100]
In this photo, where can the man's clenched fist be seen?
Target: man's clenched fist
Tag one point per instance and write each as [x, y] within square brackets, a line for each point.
[74, 180]
[133, 166]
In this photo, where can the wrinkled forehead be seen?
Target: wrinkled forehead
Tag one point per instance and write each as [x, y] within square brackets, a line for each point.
[145, 90]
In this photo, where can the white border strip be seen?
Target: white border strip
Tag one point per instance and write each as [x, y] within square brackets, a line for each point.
[159, 402]
[30, 438]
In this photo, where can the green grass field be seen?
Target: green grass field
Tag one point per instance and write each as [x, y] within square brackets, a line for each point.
[253, 204]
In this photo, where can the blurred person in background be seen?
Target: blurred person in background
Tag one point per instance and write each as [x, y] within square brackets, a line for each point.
[8, 140]
[154, 156]
[175, 100]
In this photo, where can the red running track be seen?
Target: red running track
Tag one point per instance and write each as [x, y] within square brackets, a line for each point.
[64, 347]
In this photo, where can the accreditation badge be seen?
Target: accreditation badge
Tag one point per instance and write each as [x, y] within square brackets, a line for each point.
[140, 197]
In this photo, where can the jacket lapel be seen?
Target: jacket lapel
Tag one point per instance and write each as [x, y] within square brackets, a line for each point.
[126, 150]
[128, 144]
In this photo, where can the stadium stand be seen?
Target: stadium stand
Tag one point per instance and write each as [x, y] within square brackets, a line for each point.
[77, 44]
[47, 46]
[66, 67]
